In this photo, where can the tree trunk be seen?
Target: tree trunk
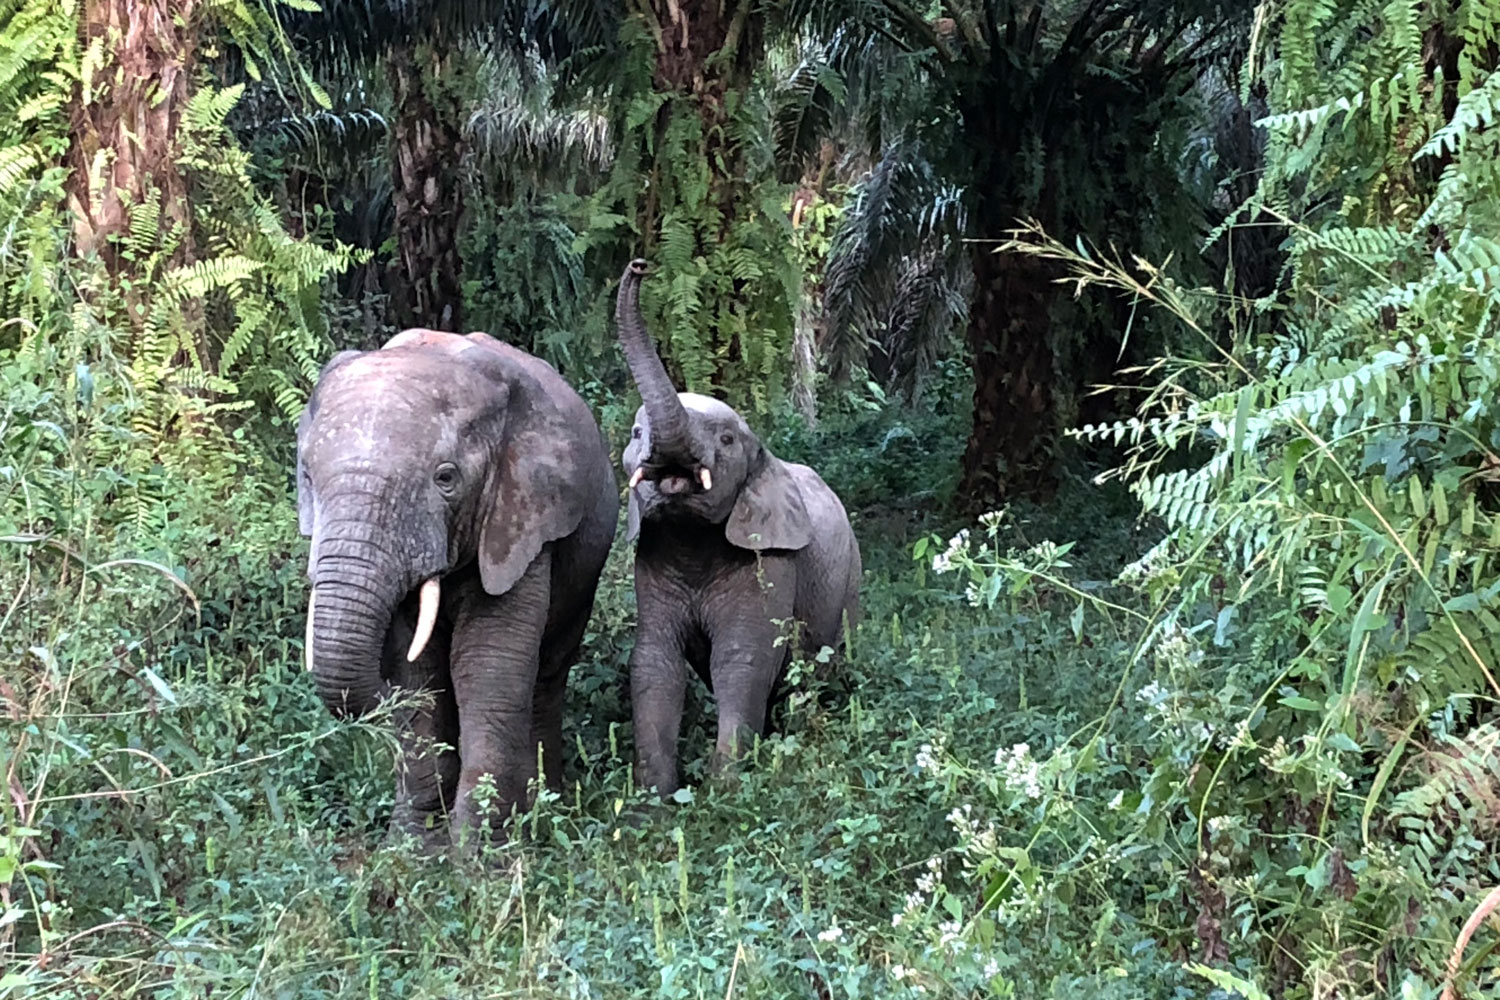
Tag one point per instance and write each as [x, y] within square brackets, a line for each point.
[707, 51]
[805, 357]
[426, 156]
[1014, 434]
[125, 122]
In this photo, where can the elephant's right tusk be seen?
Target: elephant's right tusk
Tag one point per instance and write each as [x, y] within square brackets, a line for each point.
[705, 477]
[432, 592]
[307, 639]
[635, 478]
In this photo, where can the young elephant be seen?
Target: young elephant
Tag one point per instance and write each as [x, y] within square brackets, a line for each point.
[732, 540]
[461, 503]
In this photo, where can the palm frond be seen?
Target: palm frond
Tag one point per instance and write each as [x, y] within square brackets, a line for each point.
[897, 276]
[518, 129]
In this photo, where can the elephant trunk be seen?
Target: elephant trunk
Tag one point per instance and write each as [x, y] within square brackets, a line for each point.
[356, 588]
[670, 434]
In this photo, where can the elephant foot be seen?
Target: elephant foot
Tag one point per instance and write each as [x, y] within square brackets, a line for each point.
[483, 855]
[423, 835]
[639, 815]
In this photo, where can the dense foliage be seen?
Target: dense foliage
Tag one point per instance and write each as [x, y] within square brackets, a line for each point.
[1217, 721]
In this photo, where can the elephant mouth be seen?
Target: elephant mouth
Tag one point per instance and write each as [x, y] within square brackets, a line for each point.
[674, 480]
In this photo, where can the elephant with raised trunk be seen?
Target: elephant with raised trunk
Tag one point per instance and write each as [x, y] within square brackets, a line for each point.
[461, 503]
[733, 544]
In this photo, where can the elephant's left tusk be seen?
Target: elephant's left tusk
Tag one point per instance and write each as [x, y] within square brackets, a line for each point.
[635, 478]
[432, 592]
[307, 639]
[705, 477]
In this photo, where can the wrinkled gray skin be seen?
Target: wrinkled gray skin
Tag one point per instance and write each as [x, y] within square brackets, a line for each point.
[717, 568]
[466, 460]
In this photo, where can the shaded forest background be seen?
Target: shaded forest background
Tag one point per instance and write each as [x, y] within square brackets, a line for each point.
[1152, 344]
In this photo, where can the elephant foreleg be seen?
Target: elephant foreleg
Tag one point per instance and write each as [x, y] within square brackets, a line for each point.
[658, 684]
[496, 648]
[427, 766]
[748, 647]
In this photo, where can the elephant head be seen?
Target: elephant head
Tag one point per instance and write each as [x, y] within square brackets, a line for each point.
[693, 457]
[425, 457]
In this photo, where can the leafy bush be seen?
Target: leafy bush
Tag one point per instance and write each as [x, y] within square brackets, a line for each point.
[1317, 618]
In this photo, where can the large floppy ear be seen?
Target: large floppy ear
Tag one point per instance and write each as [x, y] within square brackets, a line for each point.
[304, 423]
[541, 483]
[769, 513]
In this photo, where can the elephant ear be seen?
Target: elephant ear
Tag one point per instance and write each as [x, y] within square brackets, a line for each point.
[769, 513]
[304, 488]
[543, 478]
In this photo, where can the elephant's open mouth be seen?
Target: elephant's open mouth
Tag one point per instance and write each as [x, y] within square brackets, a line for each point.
[674, 480]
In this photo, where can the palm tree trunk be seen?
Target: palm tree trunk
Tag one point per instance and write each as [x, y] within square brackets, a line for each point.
[1014, 433]
[707, 51]
[126, 120]
[426, 156]
[805, 356]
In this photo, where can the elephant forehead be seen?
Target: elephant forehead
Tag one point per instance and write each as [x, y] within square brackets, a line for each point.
[708, 406]
[382, 408]
[376, 425]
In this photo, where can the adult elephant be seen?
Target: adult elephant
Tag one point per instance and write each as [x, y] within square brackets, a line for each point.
[732, 544]
[461, 503]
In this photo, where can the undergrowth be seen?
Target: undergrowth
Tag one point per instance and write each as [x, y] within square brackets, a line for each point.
[184, 819]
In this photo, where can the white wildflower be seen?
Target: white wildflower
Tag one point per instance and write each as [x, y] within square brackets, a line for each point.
[898, 972]
[943, 561]
[1150, 694]
[991, 969]
[1119, 798]
[1019, 770]
[949, 931]
[831, 934]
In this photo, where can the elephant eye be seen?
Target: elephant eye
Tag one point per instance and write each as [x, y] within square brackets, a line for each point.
[446, 476]
[635, 432]
[726, 439]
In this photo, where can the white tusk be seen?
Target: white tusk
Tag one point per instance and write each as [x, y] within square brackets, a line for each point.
[705, 477]
[635, 478]
[432, 592]
[307, 639]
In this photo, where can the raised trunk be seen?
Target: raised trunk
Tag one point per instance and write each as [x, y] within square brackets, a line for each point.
[427, 152]
[669, 423]
[1014, 434]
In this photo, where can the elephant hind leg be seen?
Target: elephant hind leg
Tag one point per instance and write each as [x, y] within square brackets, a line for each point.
[559, 653]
